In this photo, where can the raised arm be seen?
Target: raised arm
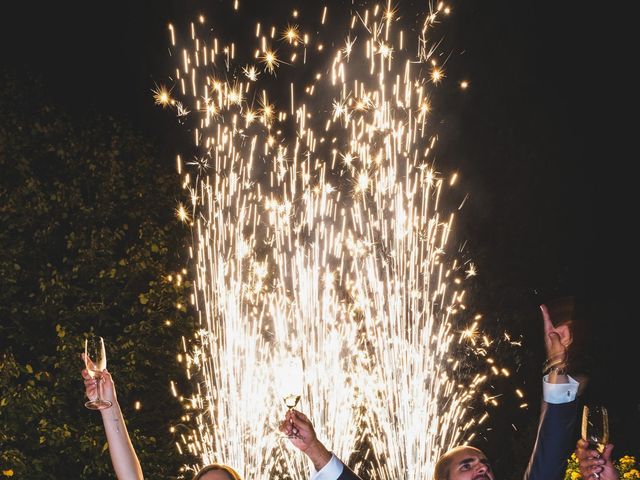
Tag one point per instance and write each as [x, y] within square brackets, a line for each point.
[123, 456]
[556, 427]
[303, 436]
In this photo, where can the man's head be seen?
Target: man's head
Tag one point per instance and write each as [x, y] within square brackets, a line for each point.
[216, 471]
[463, 463]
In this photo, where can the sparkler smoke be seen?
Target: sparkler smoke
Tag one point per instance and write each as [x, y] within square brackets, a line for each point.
[320, 234]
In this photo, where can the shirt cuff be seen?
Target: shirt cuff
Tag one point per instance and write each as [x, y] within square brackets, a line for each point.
[559, 392]
[331, 471]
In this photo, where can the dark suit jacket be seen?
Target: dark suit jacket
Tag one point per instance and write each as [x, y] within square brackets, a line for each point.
[348, 474]
[554, 443]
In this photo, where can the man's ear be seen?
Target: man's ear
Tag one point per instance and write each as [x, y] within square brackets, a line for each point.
[564, 332]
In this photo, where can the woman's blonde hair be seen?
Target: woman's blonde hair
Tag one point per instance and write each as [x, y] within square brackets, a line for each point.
[231, 473]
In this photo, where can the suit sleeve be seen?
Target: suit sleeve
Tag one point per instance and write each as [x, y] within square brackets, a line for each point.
[348, 474]
[554, 442]
[334, 470]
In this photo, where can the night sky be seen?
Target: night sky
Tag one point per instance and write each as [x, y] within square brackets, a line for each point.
[533, 136]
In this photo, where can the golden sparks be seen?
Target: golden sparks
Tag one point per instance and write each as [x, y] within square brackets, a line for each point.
[323, 233]
[270, 61]
[162, 96]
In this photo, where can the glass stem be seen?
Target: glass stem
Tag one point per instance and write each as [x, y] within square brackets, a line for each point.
[98, 382]
[293, 435]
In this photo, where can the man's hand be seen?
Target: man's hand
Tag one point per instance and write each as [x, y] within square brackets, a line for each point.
[594, 465]
[299, 428]
[556, 339]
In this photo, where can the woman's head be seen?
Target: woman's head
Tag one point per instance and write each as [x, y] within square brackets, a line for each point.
[217, 471]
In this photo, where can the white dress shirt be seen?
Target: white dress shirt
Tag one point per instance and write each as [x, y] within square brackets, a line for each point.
[331, 471]
[559, 392]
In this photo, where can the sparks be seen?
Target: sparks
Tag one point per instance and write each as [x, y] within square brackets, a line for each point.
[348, 46]
[182, 214]
[270, 61]
[322, 234]
[251, 72]
[291, 34]
[161, 96]
[384, 50]
[437, 75]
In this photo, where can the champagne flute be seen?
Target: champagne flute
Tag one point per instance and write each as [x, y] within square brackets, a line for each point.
[95, 360]
[595, 428]
[291, 384]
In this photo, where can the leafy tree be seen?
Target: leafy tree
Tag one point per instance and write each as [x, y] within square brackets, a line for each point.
[88, 240]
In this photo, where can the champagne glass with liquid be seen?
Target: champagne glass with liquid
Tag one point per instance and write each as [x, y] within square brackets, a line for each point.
[291, 384]
[595, 428]
[95, 360]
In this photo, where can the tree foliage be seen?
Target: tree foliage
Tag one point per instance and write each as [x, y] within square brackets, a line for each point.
[88, 241]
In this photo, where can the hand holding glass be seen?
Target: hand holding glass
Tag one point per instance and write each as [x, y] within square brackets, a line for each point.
[95, 360]
[291, 384]
[595, 428]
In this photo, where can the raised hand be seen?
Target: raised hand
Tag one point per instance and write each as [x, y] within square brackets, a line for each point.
[302, 435]
[107, 388]
[298, 427]
[556, 339]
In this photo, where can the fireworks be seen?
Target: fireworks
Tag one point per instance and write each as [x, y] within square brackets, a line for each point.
[320, 233]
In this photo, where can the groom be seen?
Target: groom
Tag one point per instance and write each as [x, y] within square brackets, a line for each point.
[326, 465]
